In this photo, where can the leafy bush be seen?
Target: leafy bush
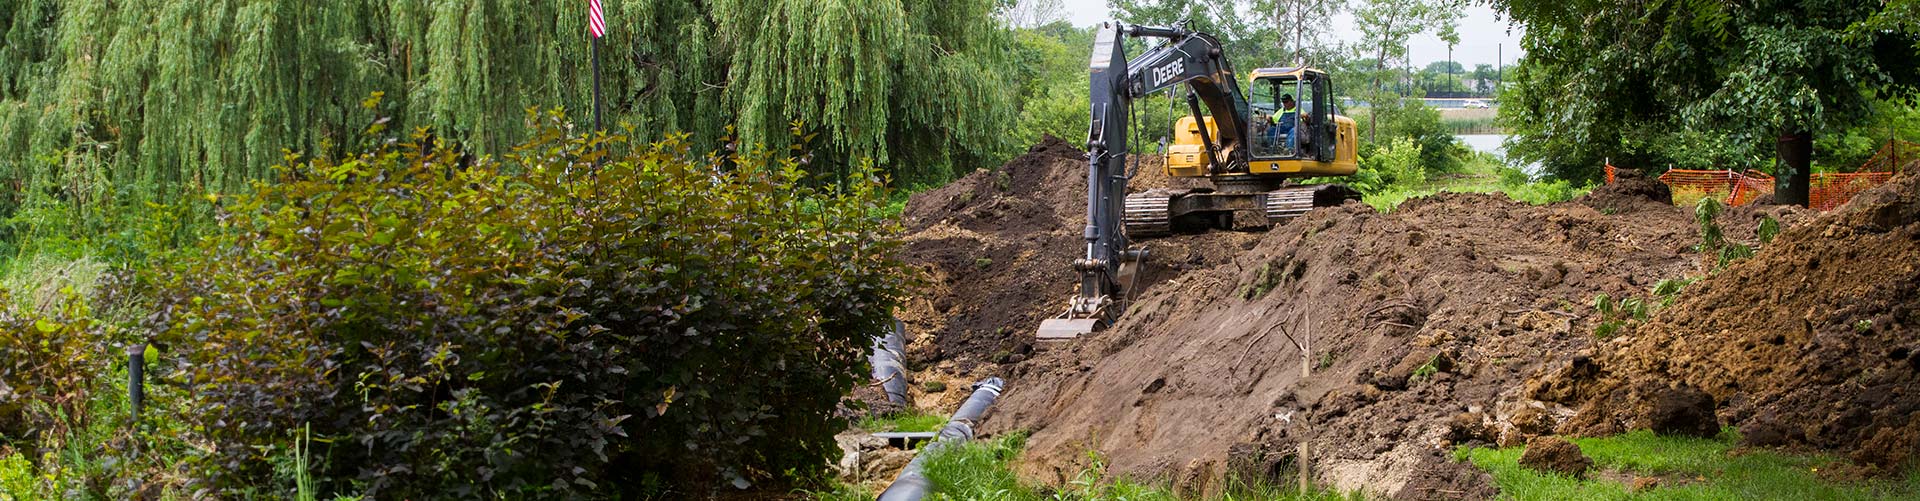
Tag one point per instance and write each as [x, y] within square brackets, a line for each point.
[48, 363]
[1384, 167]
[1440, 152]
[582, 318]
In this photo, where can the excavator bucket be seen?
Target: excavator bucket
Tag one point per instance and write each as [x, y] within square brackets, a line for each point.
[1065, 329]
[1072, 325]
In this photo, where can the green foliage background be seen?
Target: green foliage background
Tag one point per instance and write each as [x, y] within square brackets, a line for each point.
[106, 106]
[1706, 85]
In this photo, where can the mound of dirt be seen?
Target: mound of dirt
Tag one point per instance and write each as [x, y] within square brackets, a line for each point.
[1419, 325]
[1631, 191]
[996, 248]
[1812, 341]
[1550, 454]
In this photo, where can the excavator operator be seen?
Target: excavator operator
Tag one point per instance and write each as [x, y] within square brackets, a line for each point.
[1287, 116]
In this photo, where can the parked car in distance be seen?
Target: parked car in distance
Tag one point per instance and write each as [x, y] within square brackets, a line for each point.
[1474, 103]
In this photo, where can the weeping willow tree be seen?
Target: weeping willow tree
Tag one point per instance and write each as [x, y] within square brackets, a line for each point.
[110, 105]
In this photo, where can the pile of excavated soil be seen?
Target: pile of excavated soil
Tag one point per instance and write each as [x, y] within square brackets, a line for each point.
[1815, 341]
[1421, 325]
[1631, 191]
[996, 248]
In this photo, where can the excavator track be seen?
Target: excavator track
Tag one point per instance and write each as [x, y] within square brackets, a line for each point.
[1288, 203]
[1148, 215]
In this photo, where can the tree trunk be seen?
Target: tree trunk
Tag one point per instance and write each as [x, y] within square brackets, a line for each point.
[1794, 180]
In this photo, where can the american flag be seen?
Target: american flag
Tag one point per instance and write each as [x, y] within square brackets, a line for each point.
[596, 22]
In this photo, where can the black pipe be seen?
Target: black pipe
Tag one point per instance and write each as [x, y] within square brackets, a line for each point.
[136, 366]
[889, 352]
[912, 485]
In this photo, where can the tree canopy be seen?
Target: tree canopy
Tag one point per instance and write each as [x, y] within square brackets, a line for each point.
[1695, 84]
[101, 99]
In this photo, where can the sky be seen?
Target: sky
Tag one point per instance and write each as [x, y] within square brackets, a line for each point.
[1482, 34]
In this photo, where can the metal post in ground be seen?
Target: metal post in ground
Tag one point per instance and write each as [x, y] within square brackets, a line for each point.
[136, 368]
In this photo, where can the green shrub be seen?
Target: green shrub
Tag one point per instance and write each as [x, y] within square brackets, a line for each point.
[48, 364]
[1394, 164]
[1440, 153]
[533, 326]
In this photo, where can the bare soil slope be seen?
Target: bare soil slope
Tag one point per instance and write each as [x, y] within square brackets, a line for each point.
[1813, 341]
[1435, 325]
[1422, 324]
[996, 248]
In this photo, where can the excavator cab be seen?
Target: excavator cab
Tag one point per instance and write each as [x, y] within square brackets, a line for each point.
[1293, 130]
[1288, 114]
[1296, 129]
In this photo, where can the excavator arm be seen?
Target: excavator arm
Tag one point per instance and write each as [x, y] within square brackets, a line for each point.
[1190, 58]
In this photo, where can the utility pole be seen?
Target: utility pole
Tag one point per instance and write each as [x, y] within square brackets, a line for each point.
[1499, 67]
[1449, 67]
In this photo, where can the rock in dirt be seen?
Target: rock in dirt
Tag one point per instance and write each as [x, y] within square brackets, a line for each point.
[885, 463]
[1680, 410]
[1667, 409]
[1467, 427]
[1531, 420]
[1549, 454]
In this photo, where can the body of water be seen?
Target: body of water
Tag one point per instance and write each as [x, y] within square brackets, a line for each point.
[1495, 144]
[1490, 143]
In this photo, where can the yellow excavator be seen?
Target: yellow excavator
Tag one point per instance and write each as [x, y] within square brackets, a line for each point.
[1252, 146]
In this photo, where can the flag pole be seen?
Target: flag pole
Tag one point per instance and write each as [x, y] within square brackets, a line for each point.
[597, 29]
[596, 85]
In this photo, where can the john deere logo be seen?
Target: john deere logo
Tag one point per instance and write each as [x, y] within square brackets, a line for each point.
[1165, 73]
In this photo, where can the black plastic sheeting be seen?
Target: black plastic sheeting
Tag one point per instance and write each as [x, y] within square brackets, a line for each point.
[888, 352]
[912, 485]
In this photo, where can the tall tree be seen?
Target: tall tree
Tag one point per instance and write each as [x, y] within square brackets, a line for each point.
[1031, 14]
[114, 102]
[1302, 28]
[1483, 79]
[1387, 25]
[1679, 81]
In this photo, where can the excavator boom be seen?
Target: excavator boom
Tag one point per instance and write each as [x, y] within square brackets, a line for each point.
[1226, 134]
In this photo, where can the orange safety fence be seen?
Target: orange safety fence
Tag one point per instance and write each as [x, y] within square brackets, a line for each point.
[1825, 191]
[1731, 188]
[1829, 190]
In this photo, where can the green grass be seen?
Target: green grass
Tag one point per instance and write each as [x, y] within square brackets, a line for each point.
[904, 421]
[979, 470]
[1482, 175]
[38, 282]
[982, 470]
[841, 492]
[1472, 125]
[1689, 468]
